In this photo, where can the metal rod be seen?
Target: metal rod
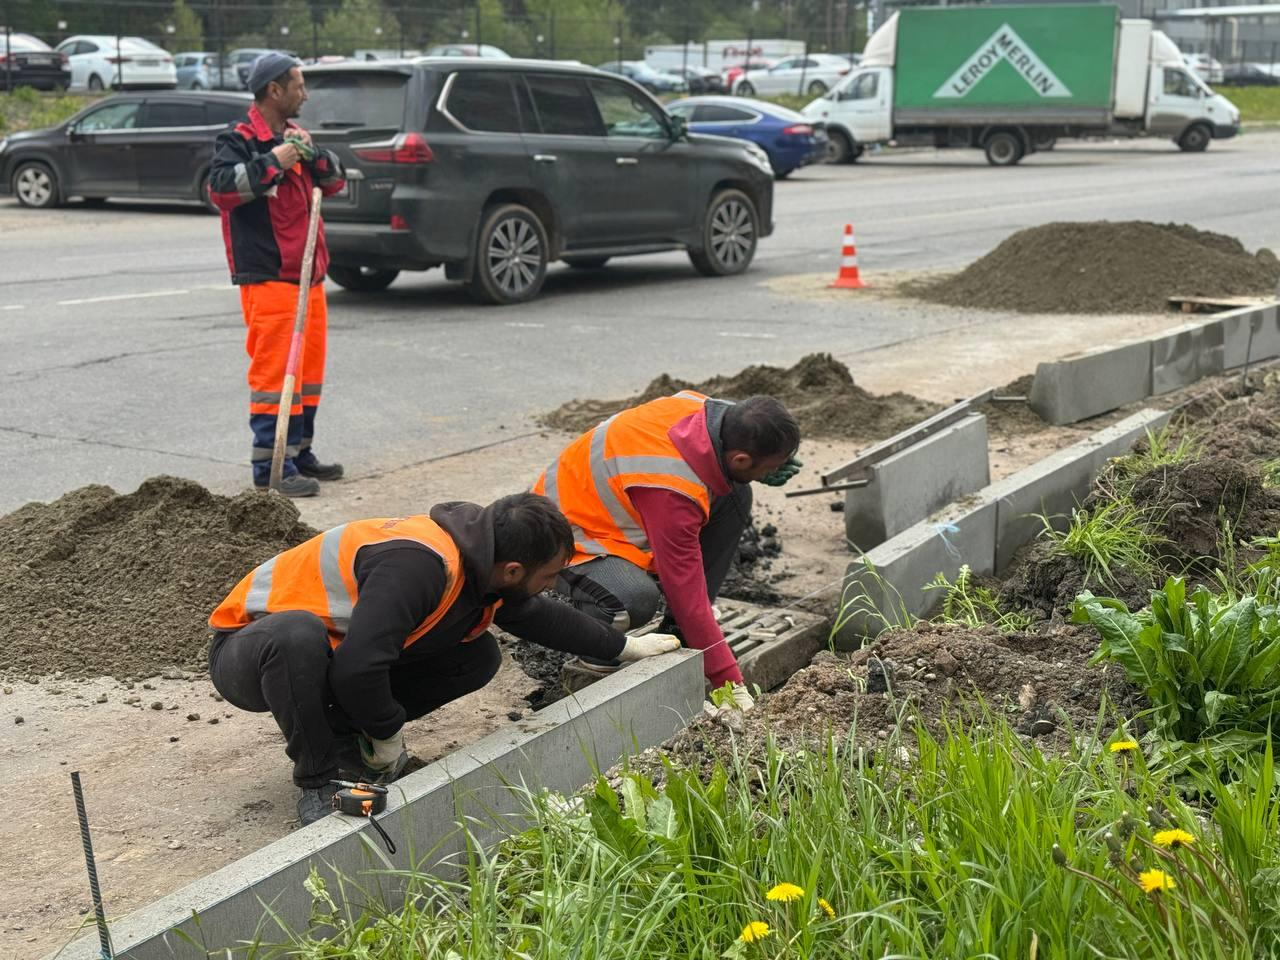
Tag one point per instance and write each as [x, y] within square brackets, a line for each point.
[104, 935]
[834, 488]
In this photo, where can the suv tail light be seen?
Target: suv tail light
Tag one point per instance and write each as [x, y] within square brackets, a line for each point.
[798, 130]
[406, 148]
[398, 222]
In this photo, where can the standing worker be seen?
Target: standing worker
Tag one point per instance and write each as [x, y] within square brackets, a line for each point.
[663, 488]
[263, 172]
[376, 622]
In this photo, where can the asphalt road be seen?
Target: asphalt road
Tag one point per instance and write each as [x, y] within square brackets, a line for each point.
[121, 338]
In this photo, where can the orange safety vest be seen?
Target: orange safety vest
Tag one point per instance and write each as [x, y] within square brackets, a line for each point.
[590, 479]
[319, 576]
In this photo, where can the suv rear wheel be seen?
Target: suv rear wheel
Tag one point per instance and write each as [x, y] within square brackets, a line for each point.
[362, 279]
[511, 255]
[730, 232]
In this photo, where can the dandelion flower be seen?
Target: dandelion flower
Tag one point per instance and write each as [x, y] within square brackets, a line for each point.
[753, 931]
[1173, 838]
[827, 908]
[1154, 881]
[1124, 746]
[785, 892]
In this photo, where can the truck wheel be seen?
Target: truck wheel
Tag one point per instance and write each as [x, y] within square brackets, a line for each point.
[730, 232]
[1043, 142]
[36, 185]
[841, 148]
[511, 256]
[1195, 139]
[1004, 149]
[362, 279]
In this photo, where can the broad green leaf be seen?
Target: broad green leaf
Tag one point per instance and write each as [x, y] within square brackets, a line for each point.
[1217, 705]
[1235, 627]
[633, 799]
[662, 821]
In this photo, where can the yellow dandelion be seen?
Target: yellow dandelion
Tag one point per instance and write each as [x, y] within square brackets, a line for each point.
[1173, 838]
[753, 931]
[827, 908]
[1124, 746]
[785, 892]
[1154, 881]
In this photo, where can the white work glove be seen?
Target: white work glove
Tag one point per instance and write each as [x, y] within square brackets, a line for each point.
[387, 757]
[742, 699]
[730, 712]
[648, 645]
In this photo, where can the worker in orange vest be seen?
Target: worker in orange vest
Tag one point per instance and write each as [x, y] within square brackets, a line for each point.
[349, 635]
[663, 489]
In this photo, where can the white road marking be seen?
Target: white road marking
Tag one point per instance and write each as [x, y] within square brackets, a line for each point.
[123, 296]
[14, 306]
[526, 326]
[747, 336]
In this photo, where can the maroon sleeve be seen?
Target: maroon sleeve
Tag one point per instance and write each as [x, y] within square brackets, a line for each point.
[673, 524]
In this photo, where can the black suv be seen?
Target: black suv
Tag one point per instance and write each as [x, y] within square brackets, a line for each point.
[145, 145]
[495, 168]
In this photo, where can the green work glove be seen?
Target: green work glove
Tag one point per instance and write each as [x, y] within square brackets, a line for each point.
[784, 473]
[305, 150]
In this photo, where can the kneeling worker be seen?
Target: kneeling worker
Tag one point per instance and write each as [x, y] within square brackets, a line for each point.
[663, 488]
[349, 635]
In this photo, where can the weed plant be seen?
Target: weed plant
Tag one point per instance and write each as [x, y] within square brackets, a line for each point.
[968, 603]
[1108, 540]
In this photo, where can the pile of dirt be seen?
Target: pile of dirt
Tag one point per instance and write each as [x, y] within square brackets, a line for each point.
[1104, 267]
[1010, 419]
[1044, 582]
[1189, 503]
[750, 577]
[99, 584]
[543, 665]
[932, 673]
[819, 391]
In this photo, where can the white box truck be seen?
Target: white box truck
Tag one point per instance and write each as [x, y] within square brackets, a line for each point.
[1012, 80]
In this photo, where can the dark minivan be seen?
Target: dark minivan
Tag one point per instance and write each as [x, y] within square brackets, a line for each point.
[141, 145]
[494, 169]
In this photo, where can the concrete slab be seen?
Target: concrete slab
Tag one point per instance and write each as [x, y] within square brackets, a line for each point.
[1087, 384]
[1056, 484]
[771, 644]
[1185, 355]
[911, 485]
[887, 584]
[1250, 334]
[560, 748]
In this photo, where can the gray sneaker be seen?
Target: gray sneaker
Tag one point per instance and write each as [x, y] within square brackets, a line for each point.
[316, 803]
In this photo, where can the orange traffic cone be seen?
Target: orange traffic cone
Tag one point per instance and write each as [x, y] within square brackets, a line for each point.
[849, 278]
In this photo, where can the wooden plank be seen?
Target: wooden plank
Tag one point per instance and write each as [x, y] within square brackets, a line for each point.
[860, 466]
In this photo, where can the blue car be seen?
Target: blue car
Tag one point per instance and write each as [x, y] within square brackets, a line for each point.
[791, 140]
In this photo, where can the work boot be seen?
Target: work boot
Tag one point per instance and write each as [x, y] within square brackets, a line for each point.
[316, 803]
[581, 672]
[295, 486]
[309, 466]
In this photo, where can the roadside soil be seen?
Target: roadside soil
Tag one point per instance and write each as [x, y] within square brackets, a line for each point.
[225, 786]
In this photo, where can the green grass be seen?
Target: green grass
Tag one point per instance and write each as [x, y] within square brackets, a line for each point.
[966, 602]
[946, 850]
[1257, 104]
[1163, 448]
[26, 109]
[1108, 540]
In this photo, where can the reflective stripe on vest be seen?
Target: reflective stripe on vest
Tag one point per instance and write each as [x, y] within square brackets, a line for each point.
[319, 577]
[590, 479]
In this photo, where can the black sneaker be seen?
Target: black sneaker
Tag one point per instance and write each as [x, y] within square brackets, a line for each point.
[316, 803]
[295, 486]
[309, 466]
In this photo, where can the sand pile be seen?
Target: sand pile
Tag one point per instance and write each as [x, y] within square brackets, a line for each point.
[819, 391]
[1102, 267]
[99, 584]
